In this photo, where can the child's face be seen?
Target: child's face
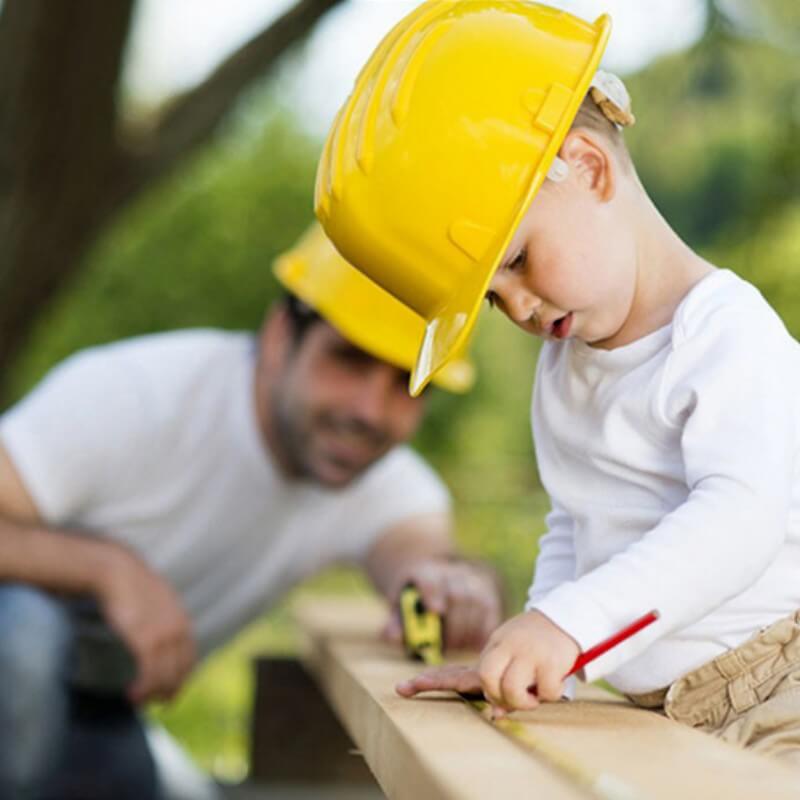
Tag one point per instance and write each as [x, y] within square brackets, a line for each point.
[570, 267]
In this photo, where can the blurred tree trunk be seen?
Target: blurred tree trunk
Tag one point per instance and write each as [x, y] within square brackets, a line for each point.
[67, 163]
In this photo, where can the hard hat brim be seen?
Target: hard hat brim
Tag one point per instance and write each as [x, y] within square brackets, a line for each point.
[361, 311]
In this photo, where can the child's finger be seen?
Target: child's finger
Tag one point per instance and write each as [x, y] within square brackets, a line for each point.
[457, 678]
[550, 684]
[411, 687]
[491, 668]
[519, 675]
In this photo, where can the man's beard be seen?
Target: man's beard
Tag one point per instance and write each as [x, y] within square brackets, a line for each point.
[295, 433]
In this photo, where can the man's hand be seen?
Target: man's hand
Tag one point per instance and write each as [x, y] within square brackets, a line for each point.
[466, 594]
[523, 664]
[148, 615]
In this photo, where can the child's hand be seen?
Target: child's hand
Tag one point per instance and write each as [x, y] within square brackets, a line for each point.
[527, 651]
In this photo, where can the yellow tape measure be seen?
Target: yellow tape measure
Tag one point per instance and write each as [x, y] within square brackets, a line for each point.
[423, 633]
[423, 637]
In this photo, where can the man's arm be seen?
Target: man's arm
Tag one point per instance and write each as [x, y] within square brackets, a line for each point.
[32, 553]
[421, 550]
[137, 603]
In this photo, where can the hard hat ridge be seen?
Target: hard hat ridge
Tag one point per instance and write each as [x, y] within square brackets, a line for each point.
[452, 126]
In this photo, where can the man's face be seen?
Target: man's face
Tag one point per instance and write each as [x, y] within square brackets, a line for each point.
[336, 409]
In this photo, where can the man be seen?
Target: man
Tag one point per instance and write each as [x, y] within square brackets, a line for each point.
[159, 493]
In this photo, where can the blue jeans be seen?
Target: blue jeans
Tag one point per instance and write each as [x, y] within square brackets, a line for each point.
[58, 743]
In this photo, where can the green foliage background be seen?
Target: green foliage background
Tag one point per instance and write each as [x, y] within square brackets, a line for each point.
[715, 146]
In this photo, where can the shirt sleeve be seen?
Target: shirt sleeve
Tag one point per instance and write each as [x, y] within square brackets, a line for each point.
[555, 563]
[398, 488]
[69, 437]
[725, 389]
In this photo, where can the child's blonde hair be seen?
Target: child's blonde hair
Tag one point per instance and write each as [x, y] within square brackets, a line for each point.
[606, 110]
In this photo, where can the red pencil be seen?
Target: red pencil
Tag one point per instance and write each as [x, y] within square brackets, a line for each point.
[595, 652]
[592, 653]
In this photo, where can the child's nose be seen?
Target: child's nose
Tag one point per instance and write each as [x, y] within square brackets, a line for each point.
[522, 305]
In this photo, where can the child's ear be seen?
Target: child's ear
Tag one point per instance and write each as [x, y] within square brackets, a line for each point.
[590, 161]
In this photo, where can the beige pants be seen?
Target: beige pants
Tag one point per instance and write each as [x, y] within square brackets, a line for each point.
[749, 696]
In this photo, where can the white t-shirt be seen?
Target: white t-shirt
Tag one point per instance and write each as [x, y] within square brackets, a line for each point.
[154, 442]
[672, 466]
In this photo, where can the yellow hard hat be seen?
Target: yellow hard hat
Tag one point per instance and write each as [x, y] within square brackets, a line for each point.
[359, 309]
[447, 136]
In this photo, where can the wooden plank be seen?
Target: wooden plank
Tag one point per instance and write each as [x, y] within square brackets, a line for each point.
[417, 750]
[438, 747]
[286, 695]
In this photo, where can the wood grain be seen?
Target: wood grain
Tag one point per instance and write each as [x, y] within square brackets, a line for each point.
[437, 746]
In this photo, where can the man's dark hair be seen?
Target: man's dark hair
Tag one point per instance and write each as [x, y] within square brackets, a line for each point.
[301, 317]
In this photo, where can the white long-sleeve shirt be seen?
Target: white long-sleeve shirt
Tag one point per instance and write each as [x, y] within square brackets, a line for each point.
[672, 467]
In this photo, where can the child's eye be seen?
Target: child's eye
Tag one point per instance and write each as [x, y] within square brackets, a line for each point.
[518, 260]
[491, 299]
